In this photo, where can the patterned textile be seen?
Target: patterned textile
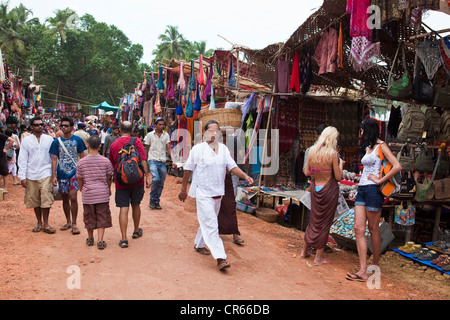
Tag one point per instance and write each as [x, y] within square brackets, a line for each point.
[363, 53]
[359, 17]
[429, 54]
[444, 46]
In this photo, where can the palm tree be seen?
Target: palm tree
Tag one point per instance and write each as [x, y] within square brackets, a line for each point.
[173, 45]
[12, 24]
[59, 23]
[196, 49]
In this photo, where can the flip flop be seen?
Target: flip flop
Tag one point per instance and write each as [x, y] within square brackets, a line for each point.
[65, 227]
[37, 229]
[75, 230]
[203, 251]
[238, 241]
[355, 277]
[324, 261]
[49, 230]
[123, 243]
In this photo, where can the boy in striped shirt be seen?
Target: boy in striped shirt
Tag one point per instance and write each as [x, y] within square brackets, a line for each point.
[94, 174]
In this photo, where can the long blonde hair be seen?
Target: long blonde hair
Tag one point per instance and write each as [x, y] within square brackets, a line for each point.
[326, 146]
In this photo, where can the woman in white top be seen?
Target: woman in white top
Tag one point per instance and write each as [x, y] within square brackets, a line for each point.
[208, 161]
[369, 200]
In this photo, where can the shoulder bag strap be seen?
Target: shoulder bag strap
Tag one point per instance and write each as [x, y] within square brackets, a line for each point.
[66, 151]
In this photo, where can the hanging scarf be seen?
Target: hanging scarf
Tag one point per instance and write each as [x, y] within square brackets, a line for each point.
[161, 79]
[201, 73]
[212, 104]
[295, 76]
[198, 100]
[341, 47]
[231, 77]
[255, 129]
[359, 17]
[208, 87]
[246, 108]
[363, 53]
[171, 90]
[192, 81]
[215, 77]
[152, 84]
[181, 82]
[430, 55]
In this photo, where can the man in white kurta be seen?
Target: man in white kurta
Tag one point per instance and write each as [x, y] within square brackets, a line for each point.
[209, 162]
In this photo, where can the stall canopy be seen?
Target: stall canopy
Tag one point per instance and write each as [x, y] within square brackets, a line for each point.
[106, 106]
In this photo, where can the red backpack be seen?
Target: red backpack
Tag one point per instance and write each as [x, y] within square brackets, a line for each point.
[129, 169]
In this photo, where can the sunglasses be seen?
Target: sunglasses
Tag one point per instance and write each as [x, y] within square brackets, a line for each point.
[38, 125]
[65, 125]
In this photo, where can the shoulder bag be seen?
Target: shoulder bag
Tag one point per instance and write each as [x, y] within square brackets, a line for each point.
[401, 88]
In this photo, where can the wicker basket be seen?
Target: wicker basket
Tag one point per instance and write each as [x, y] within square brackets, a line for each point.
[267, 214]
[225, 117]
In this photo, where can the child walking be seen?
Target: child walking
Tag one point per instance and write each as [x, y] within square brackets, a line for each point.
[94, 174]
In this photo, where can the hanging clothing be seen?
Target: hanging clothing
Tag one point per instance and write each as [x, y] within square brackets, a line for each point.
[231, 77]
[160, 79]
[326, 51]
[306, 72]
[256, 129]
[358, 18]
[363, 54]
[444, 46]
[181, 82]
[430, 56]
[295, 76]
[282, 76]
[341, 47]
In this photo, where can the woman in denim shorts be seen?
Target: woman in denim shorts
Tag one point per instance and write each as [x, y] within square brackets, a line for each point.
[369, 200]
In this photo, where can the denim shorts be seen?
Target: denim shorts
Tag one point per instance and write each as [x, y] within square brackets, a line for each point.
[370, 197]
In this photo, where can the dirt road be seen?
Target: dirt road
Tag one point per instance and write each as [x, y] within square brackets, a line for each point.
[162, 265]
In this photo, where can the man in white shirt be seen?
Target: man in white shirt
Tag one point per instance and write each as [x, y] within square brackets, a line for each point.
[157, 143]
[35, 173]
[208, 162]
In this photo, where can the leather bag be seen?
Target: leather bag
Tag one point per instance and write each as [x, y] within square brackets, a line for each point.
[401, 88]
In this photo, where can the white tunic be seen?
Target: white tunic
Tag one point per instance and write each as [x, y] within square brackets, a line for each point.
[209, 169]
[35, 162]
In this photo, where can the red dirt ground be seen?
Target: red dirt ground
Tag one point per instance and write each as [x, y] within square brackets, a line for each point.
[162, 265]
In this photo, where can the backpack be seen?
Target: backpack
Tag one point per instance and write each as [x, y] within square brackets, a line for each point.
[129, 170]
[392, 186]
[444, 136]
[433, 123]
[412, 125]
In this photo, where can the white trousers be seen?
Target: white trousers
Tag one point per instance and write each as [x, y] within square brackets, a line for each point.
[208, 232]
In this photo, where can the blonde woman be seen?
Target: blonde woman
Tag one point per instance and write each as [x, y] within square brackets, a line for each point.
[326, 169]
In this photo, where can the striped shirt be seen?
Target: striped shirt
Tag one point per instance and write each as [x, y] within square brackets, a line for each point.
[94, 171]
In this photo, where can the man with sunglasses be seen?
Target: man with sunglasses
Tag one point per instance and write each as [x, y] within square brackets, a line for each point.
[35, 173]
[65, 152]
[157, 144]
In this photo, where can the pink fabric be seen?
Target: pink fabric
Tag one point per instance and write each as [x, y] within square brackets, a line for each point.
[295, 77]
[326, 54]
[359, 17]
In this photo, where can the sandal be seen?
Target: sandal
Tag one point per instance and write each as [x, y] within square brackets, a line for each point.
[49, 230]
[36, 229]
[65, 227]
[90, 242]
[222, 264]
[203, 251]
[427, 255]
[444, 262]
[75, 230]
[138, 234]
[439, 259]
[101, 245]
[123, 243]
[238, 241]
[355, 277]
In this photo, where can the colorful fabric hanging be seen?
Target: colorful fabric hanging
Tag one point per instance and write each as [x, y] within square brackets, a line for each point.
[363, 54]
[198, 100]
[231, 77]
[192, 81]
[161, 79]
[212, 104]
[306, 72]
[295, 76]
[341, 47]
[181, 82]
[152, 84]
[171, 90]
[2, 68]
[208, 87]
[444, 46]
[189, 107]
[326, 51]
[359, 18]
[201, 73]
[255, 129]
[246, 108]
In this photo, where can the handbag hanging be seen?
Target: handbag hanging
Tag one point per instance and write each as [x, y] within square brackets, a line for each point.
[406, 158]
[407, 188]
[425, 189]
[401, 88]
[423, 91]
[405, 216]
[441, 189]
[424, 161]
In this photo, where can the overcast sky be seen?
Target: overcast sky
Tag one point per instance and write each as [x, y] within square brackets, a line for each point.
[251, 23]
